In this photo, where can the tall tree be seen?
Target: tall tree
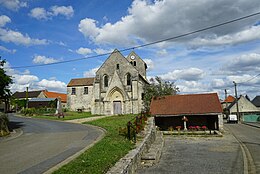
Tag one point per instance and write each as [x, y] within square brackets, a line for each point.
[158, 87]
[5, 81]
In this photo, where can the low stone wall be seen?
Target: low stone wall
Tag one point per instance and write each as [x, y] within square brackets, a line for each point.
[129, 163]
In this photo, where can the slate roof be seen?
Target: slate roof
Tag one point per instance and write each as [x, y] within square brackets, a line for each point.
[190, 104]
[256, 101]
[229, 99]
[81, 82]
[31, 94]
[56, 95]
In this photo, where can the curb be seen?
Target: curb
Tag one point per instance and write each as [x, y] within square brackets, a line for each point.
[250, 124]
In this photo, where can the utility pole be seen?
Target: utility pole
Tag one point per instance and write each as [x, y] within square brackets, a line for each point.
[26, 96]
[238, 115]
[226, 97]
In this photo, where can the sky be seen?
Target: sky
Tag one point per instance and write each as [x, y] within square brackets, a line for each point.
[36, 32]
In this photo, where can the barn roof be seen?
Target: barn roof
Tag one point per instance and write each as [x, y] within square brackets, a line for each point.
[190, 104]
[56, 95]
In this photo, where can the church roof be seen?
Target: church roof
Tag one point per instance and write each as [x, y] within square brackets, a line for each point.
[81, 82]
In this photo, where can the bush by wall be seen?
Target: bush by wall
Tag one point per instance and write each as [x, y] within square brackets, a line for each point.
[4, 125]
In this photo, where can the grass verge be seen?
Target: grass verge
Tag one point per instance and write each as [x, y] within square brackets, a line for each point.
[106, 152]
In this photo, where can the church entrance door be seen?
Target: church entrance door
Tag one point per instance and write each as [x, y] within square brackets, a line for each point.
[117, 107]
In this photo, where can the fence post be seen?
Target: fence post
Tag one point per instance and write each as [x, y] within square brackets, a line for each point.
[129, 130]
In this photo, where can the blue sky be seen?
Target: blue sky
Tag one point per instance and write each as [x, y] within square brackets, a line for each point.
[42, 32]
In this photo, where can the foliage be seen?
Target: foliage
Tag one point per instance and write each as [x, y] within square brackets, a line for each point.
[28, 111]
[158, 87]
[3, 125]
[5, 93]
[106, 152]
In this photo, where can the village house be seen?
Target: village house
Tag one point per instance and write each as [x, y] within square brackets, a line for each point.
[41, 98]
[199, 109]
[117, 87]
[248, 112]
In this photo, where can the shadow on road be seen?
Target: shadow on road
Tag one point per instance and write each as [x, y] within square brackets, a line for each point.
[15, 125]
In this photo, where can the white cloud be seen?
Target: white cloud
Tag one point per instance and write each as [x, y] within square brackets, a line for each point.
[175, 18]
[2, 48]
[3, 20]
[19, 39]
[43, 60]
[39, 13]
[13, 4]
[62, 10]
[42, 14]
[102, 51]
[91, 72]
[192, 87]
[190, 74]
[149, 63]
[88, 27]
[252, 33]
[84, 51]
[244, 63]
[52, 85]
[25, 79]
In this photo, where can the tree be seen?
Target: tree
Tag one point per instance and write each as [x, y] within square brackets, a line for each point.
[5, 81]
[158, 87]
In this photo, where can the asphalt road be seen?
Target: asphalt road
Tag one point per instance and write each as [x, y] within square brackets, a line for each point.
[43, 144]
[250, 137]
[189, 155]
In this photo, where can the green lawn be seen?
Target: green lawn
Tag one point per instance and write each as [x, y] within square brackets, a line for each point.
[68, 116]
[106, 152]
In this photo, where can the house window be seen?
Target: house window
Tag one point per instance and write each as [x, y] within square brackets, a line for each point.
[128, 79]
[73, 91]
[85, 90]
[134, 63]
[105, 81]
[117, 66]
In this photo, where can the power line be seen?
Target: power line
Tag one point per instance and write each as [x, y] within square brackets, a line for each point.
[147, 44]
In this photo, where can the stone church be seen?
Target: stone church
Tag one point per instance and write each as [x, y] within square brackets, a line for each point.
[117, 87]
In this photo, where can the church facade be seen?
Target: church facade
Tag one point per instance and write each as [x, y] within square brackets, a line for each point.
[117, 87]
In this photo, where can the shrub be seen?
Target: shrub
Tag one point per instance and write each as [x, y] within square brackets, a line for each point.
[28, 111]
[4, 125]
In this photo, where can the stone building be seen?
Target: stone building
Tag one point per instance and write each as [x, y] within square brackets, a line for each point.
[116, 89]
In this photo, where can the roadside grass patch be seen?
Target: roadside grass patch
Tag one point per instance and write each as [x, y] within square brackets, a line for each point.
[104, 154]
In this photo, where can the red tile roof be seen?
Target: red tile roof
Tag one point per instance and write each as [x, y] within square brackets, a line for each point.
[81, 82]
[190, 104]
[56, 95]
[229, 99]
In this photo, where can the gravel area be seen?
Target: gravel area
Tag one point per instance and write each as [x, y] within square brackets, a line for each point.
[199, 155]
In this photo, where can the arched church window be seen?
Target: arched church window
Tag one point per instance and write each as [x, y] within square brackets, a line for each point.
[128, 79]
[134, 63]
[105, 80]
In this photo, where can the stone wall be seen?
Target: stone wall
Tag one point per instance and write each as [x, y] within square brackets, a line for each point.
[79, 100]
[130, 162]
